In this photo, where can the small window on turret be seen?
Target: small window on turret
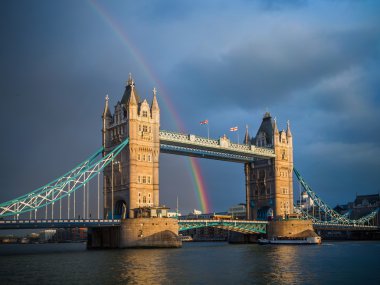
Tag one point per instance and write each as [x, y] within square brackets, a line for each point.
[145, 129]
[145, 114]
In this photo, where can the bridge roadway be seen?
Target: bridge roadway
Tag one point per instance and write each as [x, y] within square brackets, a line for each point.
[242, 226]
[220, 149]
[57, 223]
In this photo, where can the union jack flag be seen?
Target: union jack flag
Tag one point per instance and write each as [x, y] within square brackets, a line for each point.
[205, 122]
[233, 129]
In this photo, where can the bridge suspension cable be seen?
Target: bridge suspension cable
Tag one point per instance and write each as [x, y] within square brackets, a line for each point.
[330, 215]
[61, 187]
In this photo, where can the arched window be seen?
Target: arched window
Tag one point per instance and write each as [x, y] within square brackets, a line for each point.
[144, 199]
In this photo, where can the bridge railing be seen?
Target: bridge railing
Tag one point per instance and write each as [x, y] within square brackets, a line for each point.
[330, 215]
[222, 143]
[60, 188]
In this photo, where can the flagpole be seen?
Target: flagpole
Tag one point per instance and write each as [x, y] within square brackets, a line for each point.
[208, 131]
[238, 136]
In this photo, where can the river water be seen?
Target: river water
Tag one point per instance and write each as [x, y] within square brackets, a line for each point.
[194, 263]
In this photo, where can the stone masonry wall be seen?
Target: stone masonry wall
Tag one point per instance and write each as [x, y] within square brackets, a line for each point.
[288, 227]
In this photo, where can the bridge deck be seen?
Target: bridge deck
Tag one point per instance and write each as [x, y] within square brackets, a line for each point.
[57, 223]
[221, 149]
[243, 226]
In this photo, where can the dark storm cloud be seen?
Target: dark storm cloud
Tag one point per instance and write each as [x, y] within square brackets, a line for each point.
[315, 63]
[281, 4]
[260, 73]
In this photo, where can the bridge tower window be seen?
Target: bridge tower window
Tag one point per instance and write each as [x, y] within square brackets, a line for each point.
[144, 179]
[144, 199]
[145, 129]
[145, 114]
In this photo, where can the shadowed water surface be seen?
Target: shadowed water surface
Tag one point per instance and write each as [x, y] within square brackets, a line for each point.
[195, 263]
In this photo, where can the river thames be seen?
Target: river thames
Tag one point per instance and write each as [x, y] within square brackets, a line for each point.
[195, 263]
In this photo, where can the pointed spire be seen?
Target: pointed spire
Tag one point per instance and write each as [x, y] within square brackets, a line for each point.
[106, 112]
[130, 80]
[132, 99]
[275, 126]
[154, 104]
[246, 137]
[288, 132]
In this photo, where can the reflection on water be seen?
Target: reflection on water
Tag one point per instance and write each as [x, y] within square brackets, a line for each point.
[195, 263]
[144, 266]
[284, 264]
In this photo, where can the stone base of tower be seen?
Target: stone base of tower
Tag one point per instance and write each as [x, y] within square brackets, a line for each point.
[137, 233]
[149, 232]
[289, 228]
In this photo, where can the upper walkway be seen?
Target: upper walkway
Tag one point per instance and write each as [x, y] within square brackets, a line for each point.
[221, 149]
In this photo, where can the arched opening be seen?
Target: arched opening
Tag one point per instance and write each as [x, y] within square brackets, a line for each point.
[265, 213]
[120, 210]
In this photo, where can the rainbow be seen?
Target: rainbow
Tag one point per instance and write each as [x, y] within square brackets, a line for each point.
[198, 180]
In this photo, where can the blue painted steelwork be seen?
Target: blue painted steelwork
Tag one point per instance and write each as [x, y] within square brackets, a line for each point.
[62, 186]
[203, 153]
[246, 227]
[57, 223]
[331, 216]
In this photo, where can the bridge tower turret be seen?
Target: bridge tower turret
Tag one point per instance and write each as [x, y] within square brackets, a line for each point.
[133, 175]
[269, 182]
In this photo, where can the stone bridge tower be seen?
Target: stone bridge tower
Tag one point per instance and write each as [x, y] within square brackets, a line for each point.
[269, 182]
[133, 176]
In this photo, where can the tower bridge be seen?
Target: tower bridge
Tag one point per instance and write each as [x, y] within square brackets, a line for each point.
[129, 163]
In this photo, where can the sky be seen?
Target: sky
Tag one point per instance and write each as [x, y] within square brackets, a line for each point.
[315, 63]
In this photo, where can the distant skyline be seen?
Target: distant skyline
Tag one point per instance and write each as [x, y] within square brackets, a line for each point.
[315, 63]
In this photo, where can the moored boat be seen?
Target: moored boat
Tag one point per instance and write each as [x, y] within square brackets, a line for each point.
[305, 237]
[286, 240]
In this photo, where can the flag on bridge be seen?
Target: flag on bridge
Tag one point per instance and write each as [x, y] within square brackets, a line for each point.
[205, 122]
[233, 129]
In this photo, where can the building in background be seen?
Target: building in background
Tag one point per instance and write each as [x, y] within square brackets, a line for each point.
[305, 202]
[71, 235]
[174, 214]
[361, 206]
[47, 235]
[238, 211]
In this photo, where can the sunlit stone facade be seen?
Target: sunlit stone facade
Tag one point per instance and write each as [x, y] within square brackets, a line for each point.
[135, 170]
[269, 182]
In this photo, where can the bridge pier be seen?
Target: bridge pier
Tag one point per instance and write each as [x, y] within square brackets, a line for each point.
[289, 228]
[235, 237]
[137, 233]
